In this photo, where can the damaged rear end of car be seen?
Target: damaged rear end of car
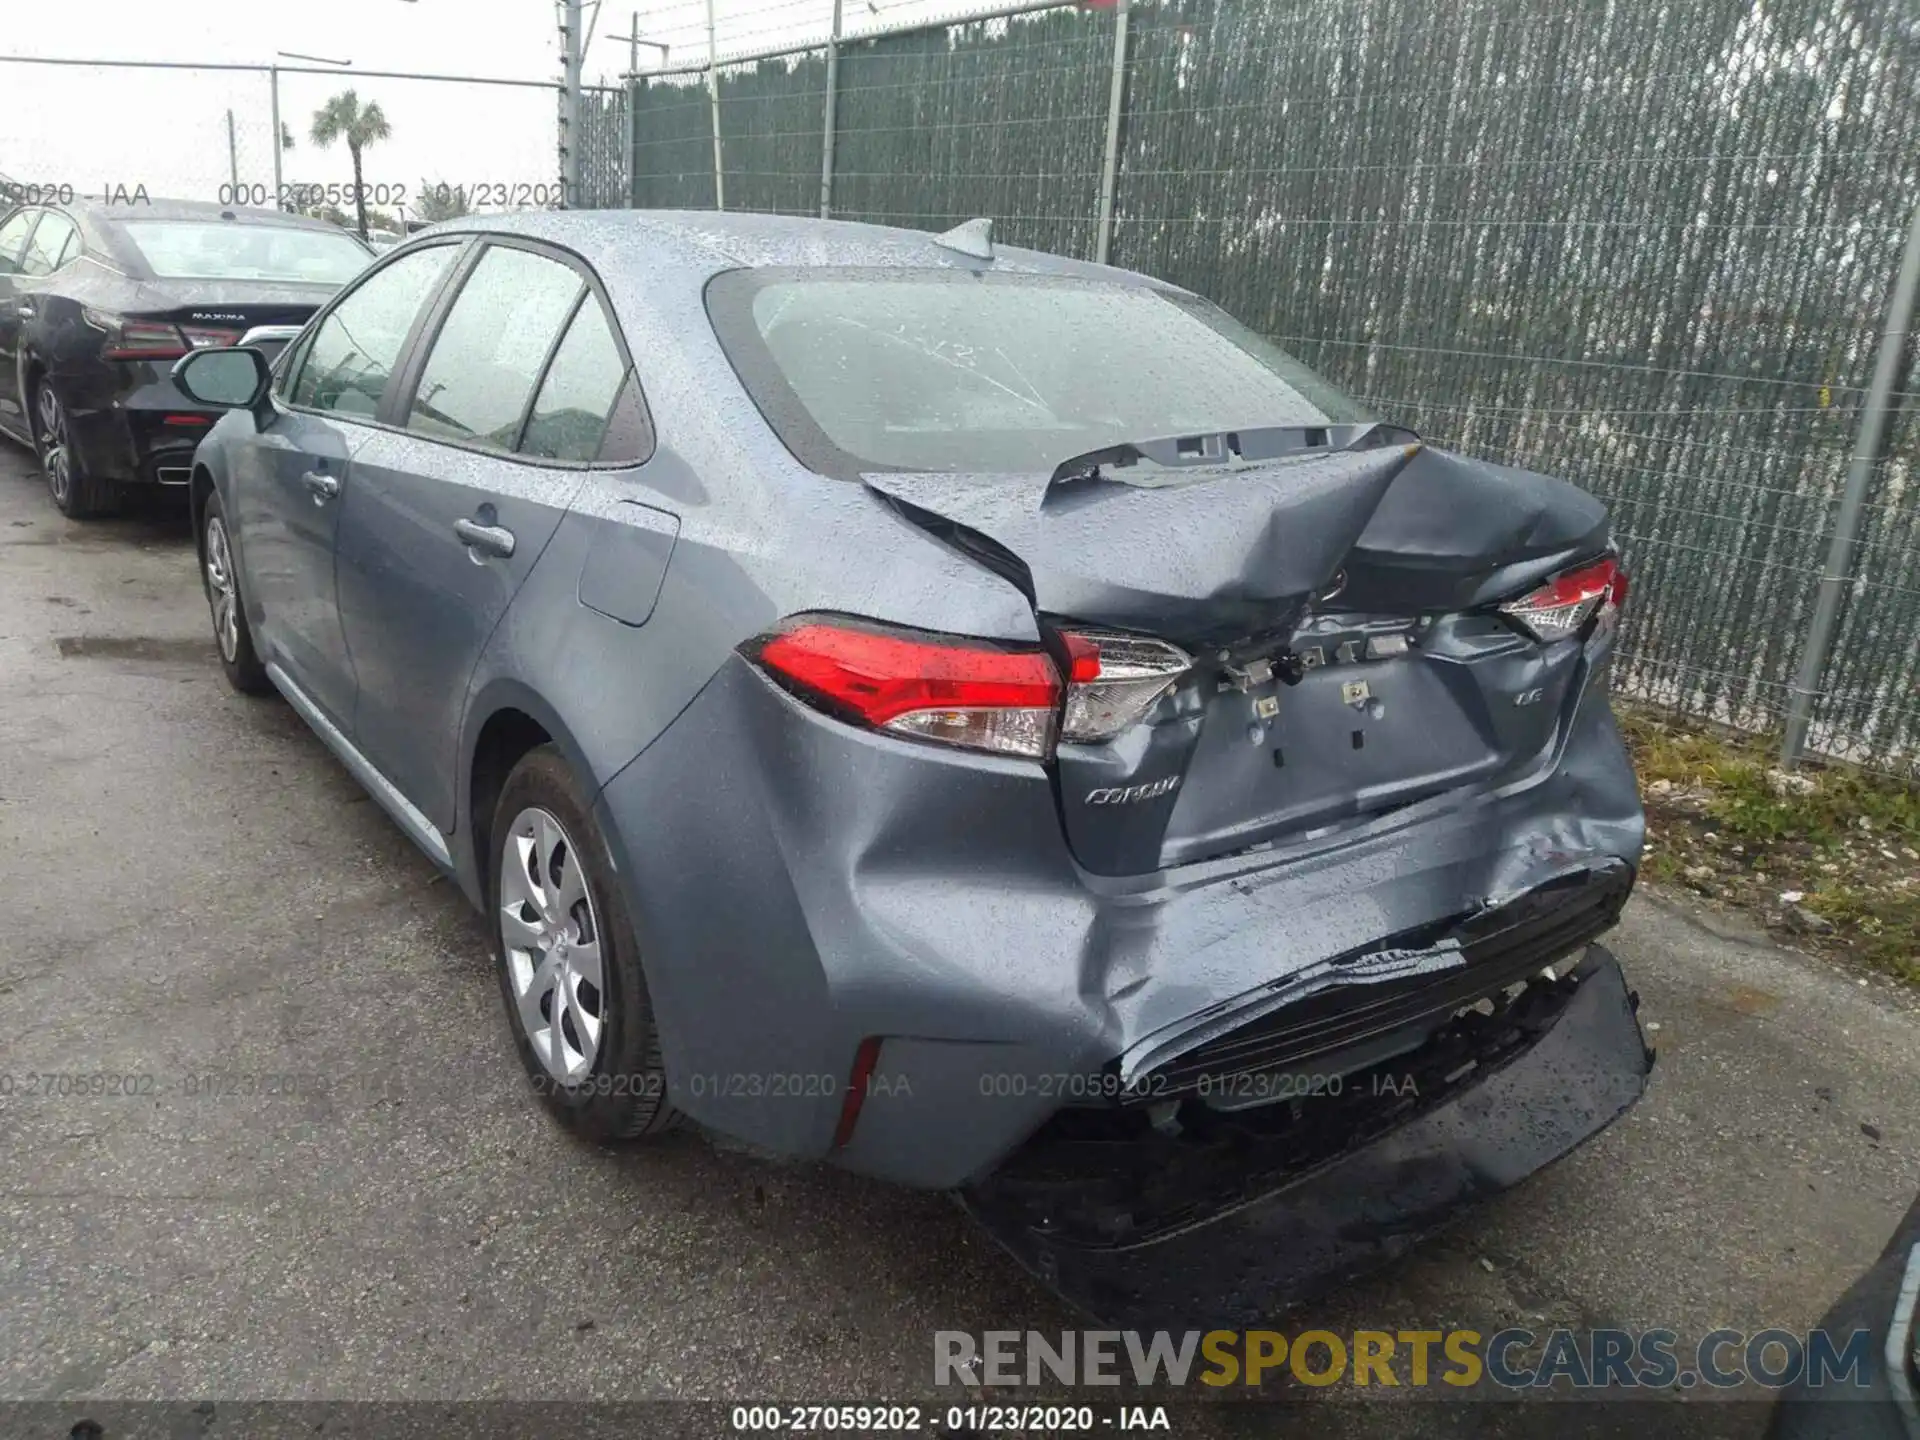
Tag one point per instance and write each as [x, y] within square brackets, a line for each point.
[1229, 921]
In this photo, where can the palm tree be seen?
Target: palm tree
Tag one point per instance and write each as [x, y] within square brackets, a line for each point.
[345, 118]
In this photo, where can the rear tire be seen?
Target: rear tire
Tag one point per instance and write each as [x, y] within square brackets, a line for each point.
[220, 578]
[77, 494]
[568, 963]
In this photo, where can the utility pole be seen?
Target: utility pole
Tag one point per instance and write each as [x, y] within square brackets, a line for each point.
[572, 43]
[826, 136]
[713, 96]
[633, 106]
[233, 163]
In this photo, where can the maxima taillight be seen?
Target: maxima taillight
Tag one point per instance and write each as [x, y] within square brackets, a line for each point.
[134, 339]
[1113, 681]
[978, 694]
[1565, 603]
[209, 337]
[129, 339]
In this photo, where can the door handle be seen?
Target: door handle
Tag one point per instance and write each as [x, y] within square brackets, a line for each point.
[490, 539]
[324, 487]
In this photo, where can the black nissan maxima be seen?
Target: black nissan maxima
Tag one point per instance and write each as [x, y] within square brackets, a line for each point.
[98, 301]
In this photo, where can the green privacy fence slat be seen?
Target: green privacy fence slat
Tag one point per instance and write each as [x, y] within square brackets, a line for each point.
[673, 145]
[770, 126]
[1000, 118]
[1642, 244]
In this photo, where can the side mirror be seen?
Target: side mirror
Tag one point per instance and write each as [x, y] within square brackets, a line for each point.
[230, 379]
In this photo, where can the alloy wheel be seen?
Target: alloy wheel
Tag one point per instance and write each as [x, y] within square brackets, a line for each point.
[551, 937]
[56, 453]
[221, 592]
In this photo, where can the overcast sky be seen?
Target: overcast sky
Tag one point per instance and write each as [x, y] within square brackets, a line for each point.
[167, 130]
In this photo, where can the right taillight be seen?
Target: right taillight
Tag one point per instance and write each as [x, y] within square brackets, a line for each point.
[977, 694]
[1565, 603]
[1113, 681]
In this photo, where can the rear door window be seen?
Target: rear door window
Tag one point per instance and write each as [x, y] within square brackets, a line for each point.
[629, 438]
[13, 239]
[351, 359]
[480, 375]
[50, 247]
[576, 400]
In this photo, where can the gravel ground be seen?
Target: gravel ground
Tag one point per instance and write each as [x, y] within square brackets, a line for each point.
[192, 884]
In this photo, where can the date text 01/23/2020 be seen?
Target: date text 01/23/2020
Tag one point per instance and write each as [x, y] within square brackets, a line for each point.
[951, 1419]
[483, 194]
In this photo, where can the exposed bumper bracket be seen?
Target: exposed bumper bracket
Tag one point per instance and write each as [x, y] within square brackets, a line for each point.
[1366, 1206]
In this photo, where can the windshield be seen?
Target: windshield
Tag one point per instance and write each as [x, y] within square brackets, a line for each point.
[945, 370]
[224, 250]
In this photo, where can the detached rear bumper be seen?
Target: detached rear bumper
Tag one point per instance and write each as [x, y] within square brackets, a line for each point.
[1242, 1260]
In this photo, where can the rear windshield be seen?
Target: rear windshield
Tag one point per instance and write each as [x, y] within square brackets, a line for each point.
[226, 250]
[950, 370]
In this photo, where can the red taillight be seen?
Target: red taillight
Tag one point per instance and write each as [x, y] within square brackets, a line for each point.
[138, 340]
[1114, 679]
[135, 339]
[959, 691]
[1083, 653]
[153, 339]
[185, 420]
[202, 337]
[864, 1060]
[1565, 603]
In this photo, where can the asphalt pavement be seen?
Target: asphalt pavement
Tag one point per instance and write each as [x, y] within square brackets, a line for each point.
[191, 886]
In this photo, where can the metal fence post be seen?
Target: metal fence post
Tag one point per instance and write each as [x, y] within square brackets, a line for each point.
[570, 108]
[273, 90]
[1116, 100]
[826, 137]
[713, 97]
[1853, 499]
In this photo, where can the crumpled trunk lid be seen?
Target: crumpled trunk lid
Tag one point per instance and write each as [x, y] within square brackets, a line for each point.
[1338, 609]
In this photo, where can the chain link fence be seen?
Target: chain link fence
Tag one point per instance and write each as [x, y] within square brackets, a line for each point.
[1647, 247]
[1644, 246]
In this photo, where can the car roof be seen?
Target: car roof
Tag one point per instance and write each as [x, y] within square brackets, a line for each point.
[725, 240]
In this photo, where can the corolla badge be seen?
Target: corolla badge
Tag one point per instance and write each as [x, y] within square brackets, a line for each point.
[1132, 794]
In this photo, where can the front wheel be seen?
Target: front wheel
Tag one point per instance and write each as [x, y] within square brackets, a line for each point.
[569, 965]
[78, 494]
[220, 577]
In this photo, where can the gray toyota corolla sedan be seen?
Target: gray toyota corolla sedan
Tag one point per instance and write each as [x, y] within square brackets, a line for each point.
[984, 719]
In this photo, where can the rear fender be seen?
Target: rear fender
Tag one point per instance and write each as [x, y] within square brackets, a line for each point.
[488, 699]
